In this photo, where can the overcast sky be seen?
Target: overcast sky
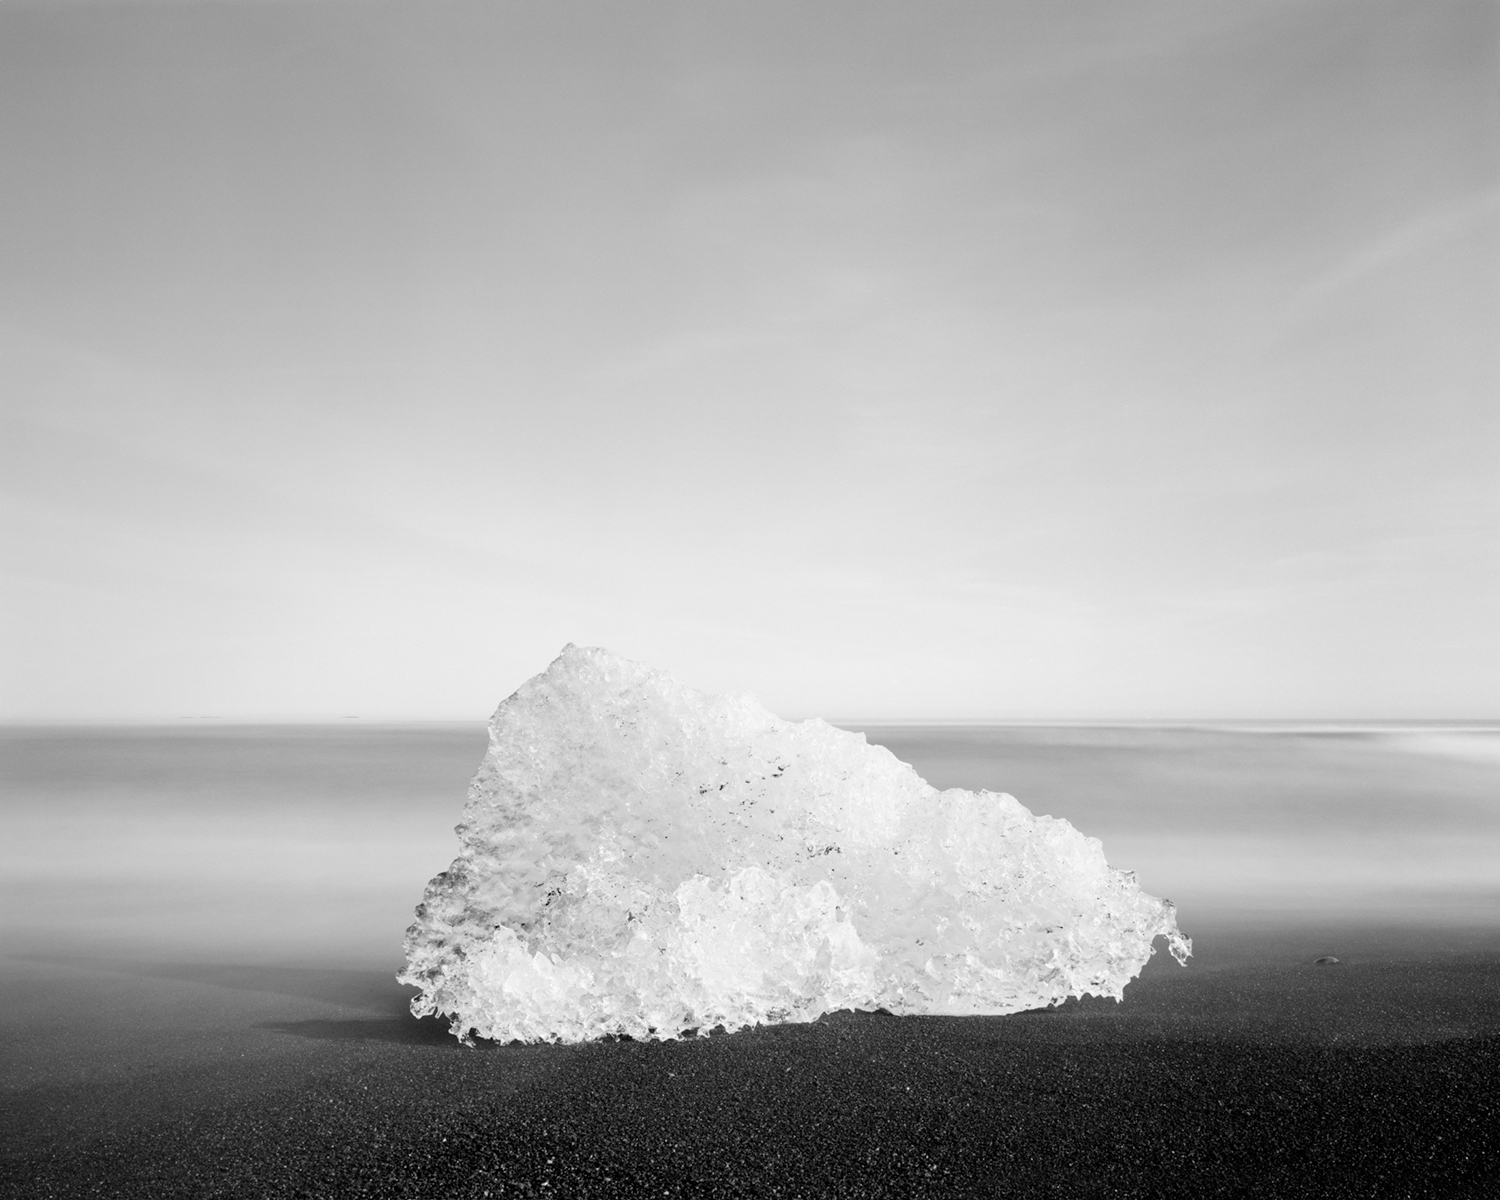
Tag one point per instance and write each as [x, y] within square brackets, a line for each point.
[921, 359]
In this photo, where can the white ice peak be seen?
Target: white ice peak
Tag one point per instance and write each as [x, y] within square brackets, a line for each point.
[640, 858]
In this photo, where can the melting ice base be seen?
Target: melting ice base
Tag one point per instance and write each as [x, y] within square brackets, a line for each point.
[639, 858]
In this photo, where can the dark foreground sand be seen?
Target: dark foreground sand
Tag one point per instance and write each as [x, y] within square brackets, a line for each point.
[1253, 1072]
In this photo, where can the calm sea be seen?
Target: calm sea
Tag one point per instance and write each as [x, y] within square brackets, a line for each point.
[312, 843]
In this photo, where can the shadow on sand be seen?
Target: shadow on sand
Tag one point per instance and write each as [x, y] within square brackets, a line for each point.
[408, 1030]
[373, 991]
[385, 1003]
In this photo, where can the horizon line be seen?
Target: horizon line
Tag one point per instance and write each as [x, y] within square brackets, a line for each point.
[336, 720]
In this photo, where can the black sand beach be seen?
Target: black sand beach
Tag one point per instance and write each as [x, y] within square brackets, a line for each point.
[1252, 1072]
[201, 932]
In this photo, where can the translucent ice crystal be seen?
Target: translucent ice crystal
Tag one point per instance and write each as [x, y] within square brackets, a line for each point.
[639, 858]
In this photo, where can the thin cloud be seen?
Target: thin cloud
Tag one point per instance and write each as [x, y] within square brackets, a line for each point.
[1420, 234]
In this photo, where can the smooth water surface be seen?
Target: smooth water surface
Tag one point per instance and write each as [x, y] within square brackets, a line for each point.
[1258, 823]
[312, 844]
[299, 844]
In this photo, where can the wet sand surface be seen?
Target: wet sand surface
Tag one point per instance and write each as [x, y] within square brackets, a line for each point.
[1252, 1072]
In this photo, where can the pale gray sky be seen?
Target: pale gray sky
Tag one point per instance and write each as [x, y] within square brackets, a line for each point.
[925, 359]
